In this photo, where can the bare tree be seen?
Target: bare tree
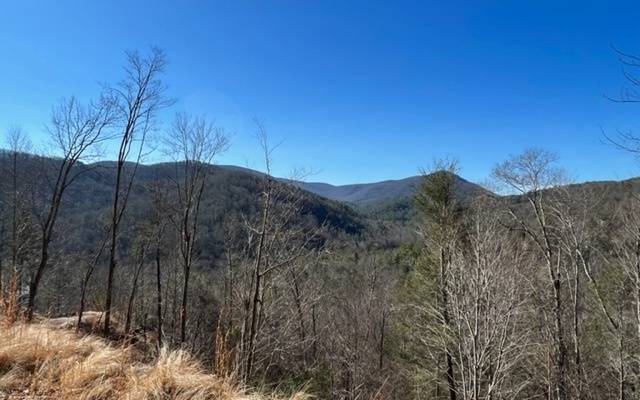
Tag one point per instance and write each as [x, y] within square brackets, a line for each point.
[486, 310]
[75, 130]
[159, 223]
[272, 243]
[252, 304]
[194, 144]
[533, 175]
[622, 312]
[139, 96]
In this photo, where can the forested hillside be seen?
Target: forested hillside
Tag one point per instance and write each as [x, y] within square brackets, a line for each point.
[233, 194]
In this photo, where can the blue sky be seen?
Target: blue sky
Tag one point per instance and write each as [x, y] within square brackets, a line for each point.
[358, 91]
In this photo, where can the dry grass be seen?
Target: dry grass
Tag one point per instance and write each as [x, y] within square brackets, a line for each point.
[37, 361]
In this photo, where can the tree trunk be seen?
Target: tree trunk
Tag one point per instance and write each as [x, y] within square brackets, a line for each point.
[183, 307]
[83, 292]
[35, 280]
[85, 282]
[112, 247]
[257, 276]
[132, 294]
[561, 351]
[159, 295]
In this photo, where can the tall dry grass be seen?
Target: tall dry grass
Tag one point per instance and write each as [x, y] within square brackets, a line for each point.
[9, 310]
[44, 362]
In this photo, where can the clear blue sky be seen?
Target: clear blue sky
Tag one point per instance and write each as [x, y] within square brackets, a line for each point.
[359, 91]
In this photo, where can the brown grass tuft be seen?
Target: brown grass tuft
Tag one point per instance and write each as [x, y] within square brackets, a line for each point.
[54, 363]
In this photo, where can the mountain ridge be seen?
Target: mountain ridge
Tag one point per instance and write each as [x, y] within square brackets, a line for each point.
[368, 194]
[379, 193]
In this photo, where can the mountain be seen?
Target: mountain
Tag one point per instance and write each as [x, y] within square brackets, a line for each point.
[236, 193]
[367, 194]
[364, 193]
[232, 195]
[390, 200]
